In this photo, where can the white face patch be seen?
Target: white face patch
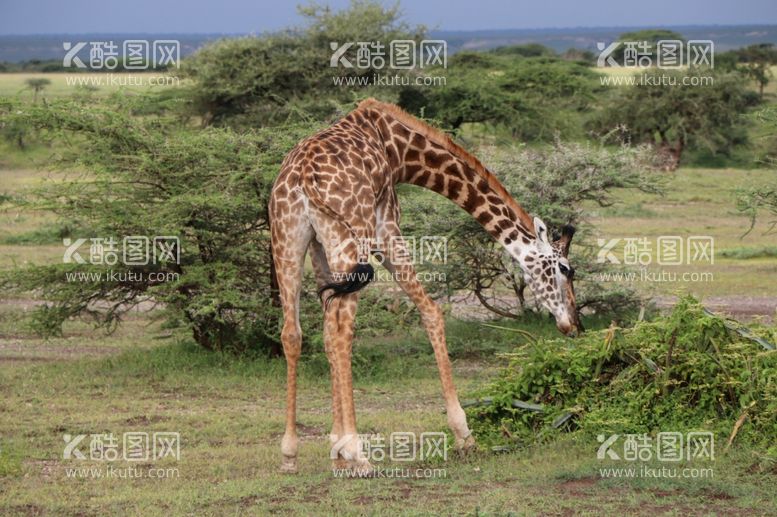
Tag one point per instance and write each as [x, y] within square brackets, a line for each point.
[547, 271]
[540, 264]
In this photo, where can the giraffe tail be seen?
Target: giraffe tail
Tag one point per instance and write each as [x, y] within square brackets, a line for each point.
[357, 279]
[363, 273]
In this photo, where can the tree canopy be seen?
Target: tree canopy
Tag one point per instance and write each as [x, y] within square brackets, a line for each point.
[675, 110]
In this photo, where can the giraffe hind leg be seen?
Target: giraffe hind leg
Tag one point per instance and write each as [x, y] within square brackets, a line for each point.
[289, 256]
[323, 275]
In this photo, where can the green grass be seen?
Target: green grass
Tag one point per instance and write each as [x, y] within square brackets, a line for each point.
[50, 234]
[229, 413]
[65, 84]
[698, 202]
[745, 252]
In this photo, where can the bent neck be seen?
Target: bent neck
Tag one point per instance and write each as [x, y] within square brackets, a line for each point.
[421, 155]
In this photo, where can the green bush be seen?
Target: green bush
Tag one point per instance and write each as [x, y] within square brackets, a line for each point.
[690, 370]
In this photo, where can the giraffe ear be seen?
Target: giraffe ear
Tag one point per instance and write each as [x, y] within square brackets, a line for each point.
[563, 242]
[540, 230]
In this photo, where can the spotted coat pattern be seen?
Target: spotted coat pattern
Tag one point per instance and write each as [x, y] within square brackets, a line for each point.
[336, 189]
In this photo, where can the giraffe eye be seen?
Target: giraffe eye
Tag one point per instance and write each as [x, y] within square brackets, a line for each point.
[566, 271]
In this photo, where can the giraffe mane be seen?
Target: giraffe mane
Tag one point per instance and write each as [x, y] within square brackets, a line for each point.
[441, 138]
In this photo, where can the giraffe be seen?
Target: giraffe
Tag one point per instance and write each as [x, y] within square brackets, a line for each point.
[336, 190]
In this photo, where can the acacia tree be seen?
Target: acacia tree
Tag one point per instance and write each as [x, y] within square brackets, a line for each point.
[534, 98]
[762, 200]
[148, 177]
[37, 85]
[756, 62]
[271, 79]
[675, 110]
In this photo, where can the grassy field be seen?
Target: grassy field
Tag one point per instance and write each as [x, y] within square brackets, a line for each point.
[229, 412]
[64, 84]
[700, 202]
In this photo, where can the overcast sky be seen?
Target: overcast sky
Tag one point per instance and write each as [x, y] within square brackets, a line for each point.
[255, 16]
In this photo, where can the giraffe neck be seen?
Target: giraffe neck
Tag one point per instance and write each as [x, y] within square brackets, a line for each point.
[421, 155]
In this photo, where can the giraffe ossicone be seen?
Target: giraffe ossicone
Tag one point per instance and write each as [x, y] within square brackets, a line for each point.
[336, 188]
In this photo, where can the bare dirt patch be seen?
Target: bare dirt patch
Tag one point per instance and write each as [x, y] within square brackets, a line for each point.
[740, 307]
[743, 308]
[579, 486]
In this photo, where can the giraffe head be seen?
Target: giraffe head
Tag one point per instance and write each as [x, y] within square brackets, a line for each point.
[549, 275]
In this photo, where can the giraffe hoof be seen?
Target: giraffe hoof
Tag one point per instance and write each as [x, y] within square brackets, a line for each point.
[466, 446]
[339, 464]
[360, 469]
[289, 465]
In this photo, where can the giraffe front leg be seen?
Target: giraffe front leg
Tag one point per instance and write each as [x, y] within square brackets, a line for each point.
[434, 323]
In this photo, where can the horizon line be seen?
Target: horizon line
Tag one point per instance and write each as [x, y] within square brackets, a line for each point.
[437, 30]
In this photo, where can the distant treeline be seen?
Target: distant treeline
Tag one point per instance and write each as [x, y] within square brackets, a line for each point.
[17, 49]
[55, 65]
[756, 52]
